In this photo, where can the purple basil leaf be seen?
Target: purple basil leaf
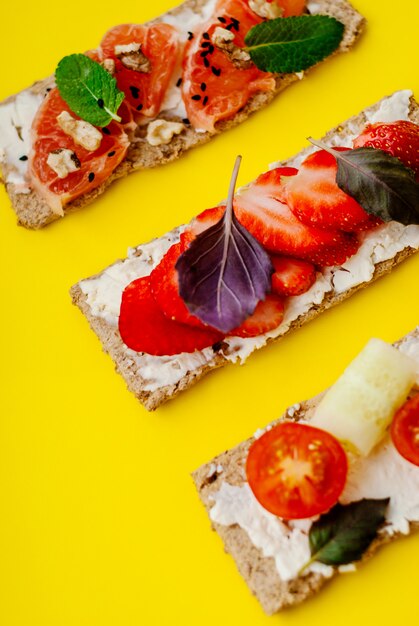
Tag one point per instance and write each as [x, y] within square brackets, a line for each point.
[225, 272]
[379, 182]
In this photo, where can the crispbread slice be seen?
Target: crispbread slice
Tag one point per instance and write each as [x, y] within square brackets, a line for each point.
[33, 212]
[260, 572]
[132, 367]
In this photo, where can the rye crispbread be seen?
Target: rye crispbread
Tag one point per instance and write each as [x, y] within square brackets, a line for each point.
[33, 212]
[260, 572]
[111, 340]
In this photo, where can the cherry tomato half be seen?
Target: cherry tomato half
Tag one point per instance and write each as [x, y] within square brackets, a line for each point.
[405, 430]
[296, 471]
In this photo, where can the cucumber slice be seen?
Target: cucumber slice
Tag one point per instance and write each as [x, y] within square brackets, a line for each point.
[361, 404]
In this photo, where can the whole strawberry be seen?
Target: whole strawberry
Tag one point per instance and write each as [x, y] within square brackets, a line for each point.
[401, 139]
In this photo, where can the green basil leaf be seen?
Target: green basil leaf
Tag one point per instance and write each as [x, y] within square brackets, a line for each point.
[344, 533]
[293, 44]
[88, 89]
[379, 182]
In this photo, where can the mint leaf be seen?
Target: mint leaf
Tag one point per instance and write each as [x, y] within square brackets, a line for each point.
[293, 44]
[379, 182]
[88, 89]
[344, 533]
[225, 272]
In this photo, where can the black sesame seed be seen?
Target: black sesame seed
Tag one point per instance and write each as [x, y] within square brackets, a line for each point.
[106, 131]
[111, 153]
[135, 92]
[230, 26]
[49, 88]
[206, 62]
[222, 20]
[206, 36]
[179, 82]
[139, 107]
[205, 100]
[190, 35]
[211, 49]
[234, 20]
[91, 177]
[100, 103]
[196, 97]
[215, 70]
[23, 158]
[186, 120]
[205, 44]
[204, 54]
[203, 86]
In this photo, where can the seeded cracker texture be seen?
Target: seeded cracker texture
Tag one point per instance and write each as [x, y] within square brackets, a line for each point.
[260, 572]
[112, 343]
[33, 212]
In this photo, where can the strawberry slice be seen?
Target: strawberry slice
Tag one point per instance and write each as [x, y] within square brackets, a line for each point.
[206, 219]
[314, 197]
[292, 277]
[164, 285]
[260, 208]
[401, 139]
[268, 314]
[144, 328]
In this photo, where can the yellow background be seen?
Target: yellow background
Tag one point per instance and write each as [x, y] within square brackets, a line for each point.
[99, 520]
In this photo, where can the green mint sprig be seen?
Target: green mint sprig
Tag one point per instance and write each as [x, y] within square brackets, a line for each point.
[293, 44]
[88, 89]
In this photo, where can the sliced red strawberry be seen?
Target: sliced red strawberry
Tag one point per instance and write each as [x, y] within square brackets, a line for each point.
[315, 198]
[401, 139]
[268, 314]
[260, 209]
[164, 284]
[291, 277]
[206, 219]
[144, 328]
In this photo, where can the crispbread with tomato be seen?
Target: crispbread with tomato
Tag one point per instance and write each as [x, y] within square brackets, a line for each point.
[317, 492]
[144, 309]
[179, 88]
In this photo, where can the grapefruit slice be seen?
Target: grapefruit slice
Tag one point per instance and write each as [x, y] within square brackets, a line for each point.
[213, 88]
[95, 167]
[144, 90]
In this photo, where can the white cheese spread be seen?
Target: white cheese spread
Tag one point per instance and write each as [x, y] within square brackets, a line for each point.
[15, 136]
[391, 109]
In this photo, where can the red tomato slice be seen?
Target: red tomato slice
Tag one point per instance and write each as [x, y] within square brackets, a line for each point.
[296, 471]
[405, 430]
[96, 167]
[213, 89]
[144, 91]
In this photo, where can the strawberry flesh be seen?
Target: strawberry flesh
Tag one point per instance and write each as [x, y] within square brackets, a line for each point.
[401, 139]
[316, 200]
[268, 314]
[164, 284]
[260, 208]
[144, 328]
[291, 277]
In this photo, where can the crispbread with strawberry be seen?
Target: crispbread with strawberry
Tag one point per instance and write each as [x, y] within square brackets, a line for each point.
[245, 283]
[317, 492]
[150, 92]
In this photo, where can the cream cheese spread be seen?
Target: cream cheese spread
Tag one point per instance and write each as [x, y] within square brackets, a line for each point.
[15, 136]
[382, 474]
[391, 109]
